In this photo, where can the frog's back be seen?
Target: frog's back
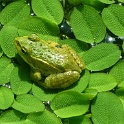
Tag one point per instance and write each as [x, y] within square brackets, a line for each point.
[54, 59]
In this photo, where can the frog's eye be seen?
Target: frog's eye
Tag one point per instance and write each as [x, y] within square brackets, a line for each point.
[23, 50]
[33, 37]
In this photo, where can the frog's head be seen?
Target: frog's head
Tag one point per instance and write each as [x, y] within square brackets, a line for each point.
[24, 46]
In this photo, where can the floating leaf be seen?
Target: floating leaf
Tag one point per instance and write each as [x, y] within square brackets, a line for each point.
[44, 117]
[121, 85]
[113, 19]
[77, 45]
[6, 97]
[102, 82]
[90, 93]
[118, 71]
[43, 94]
[120, 93]
[87, 24]
[20, 80]
[5, 74]
[107, 1]
[6, 68]
[69, 103]
[107, 109]
[27, 103]
[39, 26]
[95, 4]
[7, 36]
[49, 9]
[12, 116]
[101, 56]
[82, 82]
[79, 120]
[75, 2]
[14, 13]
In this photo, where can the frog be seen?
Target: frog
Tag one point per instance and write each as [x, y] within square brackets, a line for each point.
[52, 65]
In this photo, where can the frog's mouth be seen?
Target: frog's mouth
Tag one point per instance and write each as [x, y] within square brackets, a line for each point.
[17, 44]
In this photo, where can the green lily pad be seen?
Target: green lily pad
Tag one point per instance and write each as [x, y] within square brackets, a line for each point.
[77, 45]
[69, 103]
[6, 97]
[82, 83]
[27, 103]
[20, 80]
[14, 13]
[118, 71]
[101, 56]
[7, 36]
[45, 117]
[107, 1]
[12, 117]
[6, 68]
[37, 25]
[87, 24]
[113, 19]
[43, 94]
[75, 2]
[49, 9]
[107, 109]
[102, 82]
[120, 93]
[79, 120]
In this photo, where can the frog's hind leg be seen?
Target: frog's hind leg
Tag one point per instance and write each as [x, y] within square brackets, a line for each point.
[61, 80]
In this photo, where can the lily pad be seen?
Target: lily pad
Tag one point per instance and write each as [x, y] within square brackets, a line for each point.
[12, 116]
[6, 68]
[38, 25]
[7, 36]
[113, 19]
[101, 56]
[43, 94]
[48, 9]
[79, 120]
[118, 71]
[20, 80]
[107, 109]
[120, 93]
[6, 97]
[14, 13]
[107, 1]
[27, 103]
[102, 82]
[87, 24]
[69, 103]
[45, 117]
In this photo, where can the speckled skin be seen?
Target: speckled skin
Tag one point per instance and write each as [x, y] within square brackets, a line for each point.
[52, 65]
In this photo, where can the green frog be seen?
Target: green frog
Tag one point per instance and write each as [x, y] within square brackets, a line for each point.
[53, 65]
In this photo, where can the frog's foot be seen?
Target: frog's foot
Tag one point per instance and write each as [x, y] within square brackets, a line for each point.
[35, 75]
[60, 80]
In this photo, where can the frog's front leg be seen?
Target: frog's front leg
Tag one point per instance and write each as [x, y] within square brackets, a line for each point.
[61, 80]
[35, 75]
